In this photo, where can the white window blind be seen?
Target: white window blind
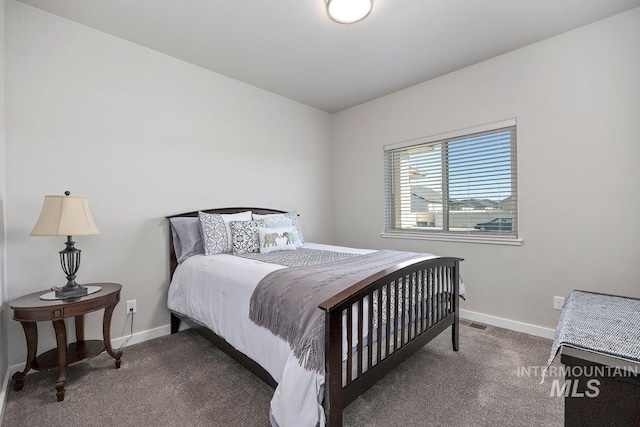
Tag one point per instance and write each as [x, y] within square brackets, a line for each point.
[461, 183]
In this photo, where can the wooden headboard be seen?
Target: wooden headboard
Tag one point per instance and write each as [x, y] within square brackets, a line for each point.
[173, 261]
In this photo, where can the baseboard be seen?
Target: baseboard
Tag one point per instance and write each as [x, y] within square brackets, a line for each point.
[3, 393]
[473, 316]
[513, 325]
[142, 336]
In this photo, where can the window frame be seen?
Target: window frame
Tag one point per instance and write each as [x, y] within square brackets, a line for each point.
[444, 234]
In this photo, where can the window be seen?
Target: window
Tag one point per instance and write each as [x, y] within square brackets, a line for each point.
[457, 185]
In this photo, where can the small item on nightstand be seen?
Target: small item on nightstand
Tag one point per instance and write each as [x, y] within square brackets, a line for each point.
[51, 296]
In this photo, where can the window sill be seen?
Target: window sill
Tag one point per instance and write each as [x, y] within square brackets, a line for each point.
[488, 240]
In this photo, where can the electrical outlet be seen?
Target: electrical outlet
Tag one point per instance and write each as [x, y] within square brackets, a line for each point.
[131, 306]
[558, 302]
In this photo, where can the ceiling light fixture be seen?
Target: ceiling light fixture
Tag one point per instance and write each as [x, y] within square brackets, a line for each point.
[348, 11]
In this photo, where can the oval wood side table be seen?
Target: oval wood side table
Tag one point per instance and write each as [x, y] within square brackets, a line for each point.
[30, 309]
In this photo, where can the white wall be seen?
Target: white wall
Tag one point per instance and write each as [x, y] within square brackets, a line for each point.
[143, 135]
[577, 101]
[3, 279]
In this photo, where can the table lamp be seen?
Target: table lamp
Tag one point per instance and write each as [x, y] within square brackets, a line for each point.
[66, 216]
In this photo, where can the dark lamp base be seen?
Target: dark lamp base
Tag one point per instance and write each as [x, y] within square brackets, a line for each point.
[70, 292]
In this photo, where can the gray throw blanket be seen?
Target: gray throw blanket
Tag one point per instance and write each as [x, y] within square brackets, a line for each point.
[286, 301]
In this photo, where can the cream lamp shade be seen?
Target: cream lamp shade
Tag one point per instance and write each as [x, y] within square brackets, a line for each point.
[65, 216]
[348, 11]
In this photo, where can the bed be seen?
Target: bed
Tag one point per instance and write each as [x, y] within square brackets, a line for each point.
[370, 327]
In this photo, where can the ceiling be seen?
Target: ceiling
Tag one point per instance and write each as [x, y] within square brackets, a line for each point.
[291, 47]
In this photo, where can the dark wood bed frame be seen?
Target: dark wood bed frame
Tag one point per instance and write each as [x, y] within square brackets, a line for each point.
[432, 287]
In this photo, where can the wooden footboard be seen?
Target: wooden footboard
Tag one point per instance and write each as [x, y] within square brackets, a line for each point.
[397, 311]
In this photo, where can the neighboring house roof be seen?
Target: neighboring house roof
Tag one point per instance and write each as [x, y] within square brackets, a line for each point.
[426, 193]
[433, 196]
[478, 203]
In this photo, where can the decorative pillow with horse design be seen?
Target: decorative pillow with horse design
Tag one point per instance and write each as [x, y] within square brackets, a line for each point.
[277, 239]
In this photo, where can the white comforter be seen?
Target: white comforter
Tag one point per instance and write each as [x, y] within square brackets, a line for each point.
[215, 291]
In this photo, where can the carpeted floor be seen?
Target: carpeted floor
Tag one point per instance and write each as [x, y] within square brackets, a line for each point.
[182, 380]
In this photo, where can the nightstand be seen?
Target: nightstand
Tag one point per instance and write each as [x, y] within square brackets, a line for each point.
[30, 309]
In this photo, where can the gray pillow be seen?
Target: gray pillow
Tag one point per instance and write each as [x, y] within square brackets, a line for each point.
[187, 237]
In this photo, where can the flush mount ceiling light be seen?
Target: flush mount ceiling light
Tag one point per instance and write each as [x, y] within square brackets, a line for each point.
[348, 11]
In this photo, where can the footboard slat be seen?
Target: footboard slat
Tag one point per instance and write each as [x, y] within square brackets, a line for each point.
[432, 300]
[401, 309]
[370, 332]
[418, 291]
[413, 303]
[412, 308]
[396, 316]
[347, 380]
[440, 294]
[402, 315]
[388, 323]
[360, 338]
[437, 295]
[380, 308]
[422, 301]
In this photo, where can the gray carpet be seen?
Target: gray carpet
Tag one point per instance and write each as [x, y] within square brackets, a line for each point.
[182, 380]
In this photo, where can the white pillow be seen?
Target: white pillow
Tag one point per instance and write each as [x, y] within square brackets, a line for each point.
[216, 232]
[277, 239]
[283, 220]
